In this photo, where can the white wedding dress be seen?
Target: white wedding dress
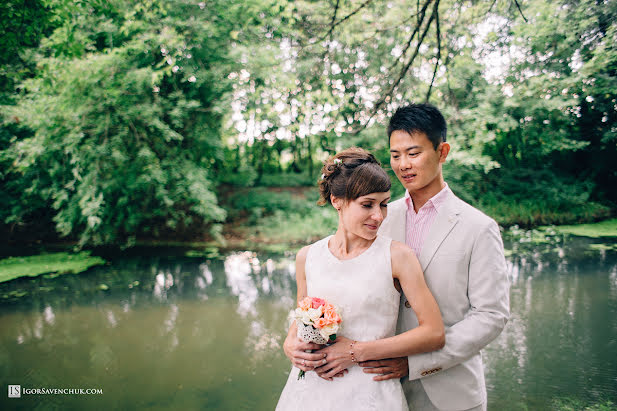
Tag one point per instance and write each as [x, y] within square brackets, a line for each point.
[363, 289]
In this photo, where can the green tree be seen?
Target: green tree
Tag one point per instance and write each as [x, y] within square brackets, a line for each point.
[563, 82]
[125, 113]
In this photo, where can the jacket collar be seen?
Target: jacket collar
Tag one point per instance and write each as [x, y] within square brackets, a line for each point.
[448, 215]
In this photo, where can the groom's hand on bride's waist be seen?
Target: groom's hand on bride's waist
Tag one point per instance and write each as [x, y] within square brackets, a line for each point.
[387, 369]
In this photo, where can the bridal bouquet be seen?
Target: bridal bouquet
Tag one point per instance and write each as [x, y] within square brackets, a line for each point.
[317, 320]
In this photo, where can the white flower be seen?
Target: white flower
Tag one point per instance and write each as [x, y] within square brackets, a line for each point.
[328, 330]
[302, 315]
[315, 313]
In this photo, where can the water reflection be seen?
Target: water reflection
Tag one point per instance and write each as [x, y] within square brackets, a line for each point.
[208, 333]
[563, 326]
[239, 268]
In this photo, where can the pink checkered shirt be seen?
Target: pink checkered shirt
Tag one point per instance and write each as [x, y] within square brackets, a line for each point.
[419, 224]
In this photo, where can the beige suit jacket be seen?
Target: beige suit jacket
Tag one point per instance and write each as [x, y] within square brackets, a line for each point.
[465, 269]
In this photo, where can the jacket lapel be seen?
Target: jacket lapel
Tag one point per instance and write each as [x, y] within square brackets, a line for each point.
[447, 217]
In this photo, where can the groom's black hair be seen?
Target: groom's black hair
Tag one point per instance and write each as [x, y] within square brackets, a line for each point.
[424, 118]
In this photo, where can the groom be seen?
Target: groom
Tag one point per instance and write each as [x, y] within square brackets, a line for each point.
[461, 254]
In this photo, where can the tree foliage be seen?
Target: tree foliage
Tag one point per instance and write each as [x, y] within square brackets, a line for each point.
[124, 119]
[121, 117]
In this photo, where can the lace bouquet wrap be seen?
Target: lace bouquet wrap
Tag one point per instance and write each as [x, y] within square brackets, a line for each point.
[318, 322]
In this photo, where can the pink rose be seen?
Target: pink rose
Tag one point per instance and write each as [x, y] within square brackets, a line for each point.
[321, 322]
[332, 317]
[318, 302]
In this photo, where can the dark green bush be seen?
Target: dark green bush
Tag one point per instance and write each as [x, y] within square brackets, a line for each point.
[288, 180]
[255, 203]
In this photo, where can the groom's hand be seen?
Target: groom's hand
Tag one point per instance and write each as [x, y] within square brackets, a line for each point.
[388, 369]
[295, 349]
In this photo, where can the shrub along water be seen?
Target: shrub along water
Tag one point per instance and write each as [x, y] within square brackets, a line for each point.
[526, 198]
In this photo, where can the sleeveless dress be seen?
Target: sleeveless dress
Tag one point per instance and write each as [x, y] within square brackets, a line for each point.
[363, 289]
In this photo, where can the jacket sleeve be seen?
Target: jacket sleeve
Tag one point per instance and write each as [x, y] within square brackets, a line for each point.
[489, 299]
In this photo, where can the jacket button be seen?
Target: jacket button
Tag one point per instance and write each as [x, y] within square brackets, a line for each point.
[407, 304]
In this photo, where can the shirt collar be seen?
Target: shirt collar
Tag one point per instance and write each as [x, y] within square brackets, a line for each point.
[436, 201]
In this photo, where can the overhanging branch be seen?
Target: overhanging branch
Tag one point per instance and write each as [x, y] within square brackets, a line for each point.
[420, 20]
[407, 66]
[335, 23]
[518, 6]
[430, 87]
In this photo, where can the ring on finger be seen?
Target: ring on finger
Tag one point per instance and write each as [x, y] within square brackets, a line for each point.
[304, 363]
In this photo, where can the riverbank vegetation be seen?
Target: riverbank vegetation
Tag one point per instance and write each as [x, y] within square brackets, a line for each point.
[295, 223]
[128, 121]
[51, 263]
[606, 228]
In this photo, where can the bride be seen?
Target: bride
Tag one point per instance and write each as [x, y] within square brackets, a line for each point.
[361, 273]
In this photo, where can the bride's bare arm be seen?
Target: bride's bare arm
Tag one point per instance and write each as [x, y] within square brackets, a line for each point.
[430, 333]
[300, 274]
[295, 348]
[428, 336]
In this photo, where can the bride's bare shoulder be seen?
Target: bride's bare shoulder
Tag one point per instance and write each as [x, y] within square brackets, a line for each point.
[301, 255]
[403, 258]
[400, 250]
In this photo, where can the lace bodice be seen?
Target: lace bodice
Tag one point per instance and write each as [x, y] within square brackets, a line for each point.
[363, 289]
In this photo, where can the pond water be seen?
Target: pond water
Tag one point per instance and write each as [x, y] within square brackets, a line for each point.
[163, 331]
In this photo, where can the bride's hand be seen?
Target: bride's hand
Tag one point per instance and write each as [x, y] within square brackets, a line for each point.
[338, 357]
[295, 349]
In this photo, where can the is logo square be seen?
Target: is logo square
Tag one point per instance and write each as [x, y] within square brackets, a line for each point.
[14, 391]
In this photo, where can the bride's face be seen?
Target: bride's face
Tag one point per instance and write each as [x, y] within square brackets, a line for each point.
[364, 215]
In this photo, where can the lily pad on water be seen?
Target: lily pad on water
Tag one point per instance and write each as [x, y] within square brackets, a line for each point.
[15, 294]
[603, 247]
[208, 253]
[58, 263]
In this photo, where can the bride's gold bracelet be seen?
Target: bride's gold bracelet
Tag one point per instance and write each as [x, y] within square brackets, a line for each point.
[353, 358]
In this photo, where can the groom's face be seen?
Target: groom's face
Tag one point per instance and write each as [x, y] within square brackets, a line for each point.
[415, 161]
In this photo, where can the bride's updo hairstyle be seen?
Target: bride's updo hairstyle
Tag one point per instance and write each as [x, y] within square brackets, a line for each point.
[350, 174]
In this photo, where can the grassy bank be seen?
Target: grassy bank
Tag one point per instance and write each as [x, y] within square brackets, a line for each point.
[54, 264]
[273, 217]
[265, 217]
[531, 214]
[295, 222]
[283, 219]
